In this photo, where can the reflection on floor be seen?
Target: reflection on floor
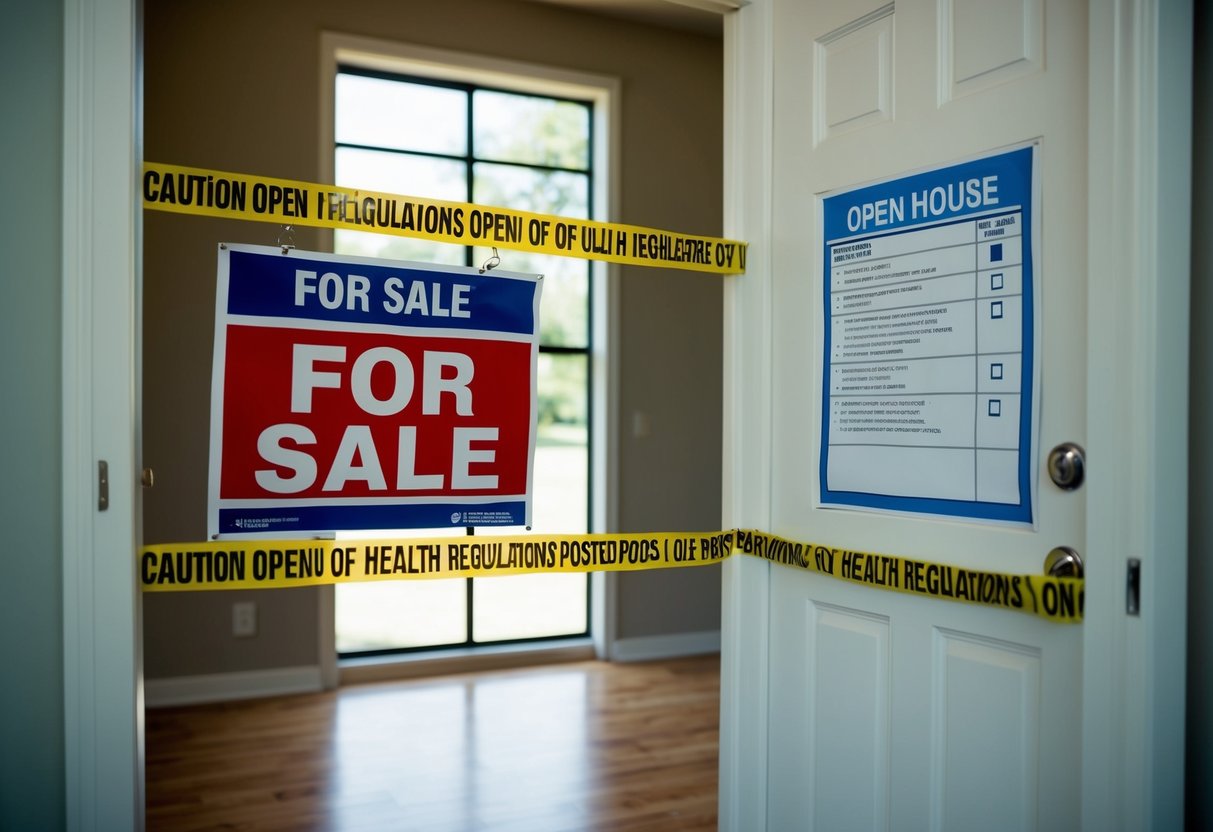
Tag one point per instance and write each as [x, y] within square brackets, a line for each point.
[585, 746]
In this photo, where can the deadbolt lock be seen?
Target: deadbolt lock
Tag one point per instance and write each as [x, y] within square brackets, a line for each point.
[1067, 464]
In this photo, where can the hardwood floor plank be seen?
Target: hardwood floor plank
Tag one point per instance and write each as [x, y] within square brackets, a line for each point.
[585, 746]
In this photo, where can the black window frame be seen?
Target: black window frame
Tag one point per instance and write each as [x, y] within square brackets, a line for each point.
[585, 351]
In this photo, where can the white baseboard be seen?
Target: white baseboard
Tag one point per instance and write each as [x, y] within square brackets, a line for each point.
[463, 660]
[650, 648]
[224, 687]
[252, 684]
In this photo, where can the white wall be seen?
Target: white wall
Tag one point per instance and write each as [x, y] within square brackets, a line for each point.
[31, 612]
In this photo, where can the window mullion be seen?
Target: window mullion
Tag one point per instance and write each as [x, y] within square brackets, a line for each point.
[469, 254]
[469, 167]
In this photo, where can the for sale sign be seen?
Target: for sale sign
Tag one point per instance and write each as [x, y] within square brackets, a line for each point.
[351, 393]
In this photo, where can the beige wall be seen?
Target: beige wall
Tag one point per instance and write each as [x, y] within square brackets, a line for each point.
[234, 86]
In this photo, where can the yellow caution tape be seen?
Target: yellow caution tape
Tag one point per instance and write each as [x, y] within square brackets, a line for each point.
[259, 564]
[210, 193]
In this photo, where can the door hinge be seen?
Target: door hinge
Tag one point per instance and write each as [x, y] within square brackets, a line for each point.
[103, 485]
[1133, 588]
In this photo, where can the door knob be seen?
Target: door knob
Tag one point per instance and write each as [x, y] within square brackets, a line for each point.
[1066, 465]
[1063, 562]
[148, 478]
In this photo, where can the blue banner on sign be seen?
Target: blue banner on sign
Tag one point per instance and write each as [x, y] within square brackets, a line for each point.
[366, 293]
[929, 376]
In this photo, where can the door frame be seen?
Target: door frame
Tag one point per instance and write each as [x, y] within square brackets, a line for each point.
[1139, 161]
[102, 670]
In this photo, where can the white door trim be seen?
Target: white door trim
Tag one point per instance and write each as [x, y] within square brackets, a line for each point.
[1139, 164]
[746, 475]
[1138, 278]
[103, 722]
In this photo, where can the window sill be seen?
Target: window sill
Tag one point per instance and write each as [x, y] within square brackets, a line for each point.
[355, 671]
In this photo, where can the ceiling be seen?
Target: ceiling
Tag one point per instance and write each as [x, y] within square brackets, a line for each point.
[701, 17]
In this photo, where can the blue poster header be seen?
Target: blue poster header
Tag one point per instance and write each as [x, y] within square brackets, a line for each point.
[989, 184]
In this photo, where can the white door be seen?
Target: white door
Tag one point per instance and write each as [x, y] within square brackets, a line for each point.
[885, 710]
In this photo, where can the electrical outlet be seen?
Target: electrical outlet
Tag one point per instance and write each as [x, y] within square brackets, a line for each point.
[244, 619]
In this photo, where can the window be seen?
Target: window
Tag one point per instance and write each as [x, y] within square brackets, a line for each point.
[493, 145]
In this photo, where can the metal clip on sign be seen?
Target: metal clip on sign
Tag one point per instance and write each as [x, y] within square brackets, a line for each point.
[286, 238]
[492, 263]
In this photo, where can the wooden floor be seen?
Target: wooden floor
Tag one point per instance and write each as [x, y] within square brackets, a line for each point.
[586, 746]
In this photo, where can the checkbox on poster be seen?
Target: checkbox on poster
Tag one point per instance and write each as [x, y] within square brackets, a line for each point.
[996, 253]
[995, 407]
[996, 309]
[996, 370]
[996, 281]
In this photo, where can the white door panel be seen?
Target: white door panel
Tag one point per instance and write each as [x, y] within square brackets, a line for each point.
[886, 716]
[889, 711]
